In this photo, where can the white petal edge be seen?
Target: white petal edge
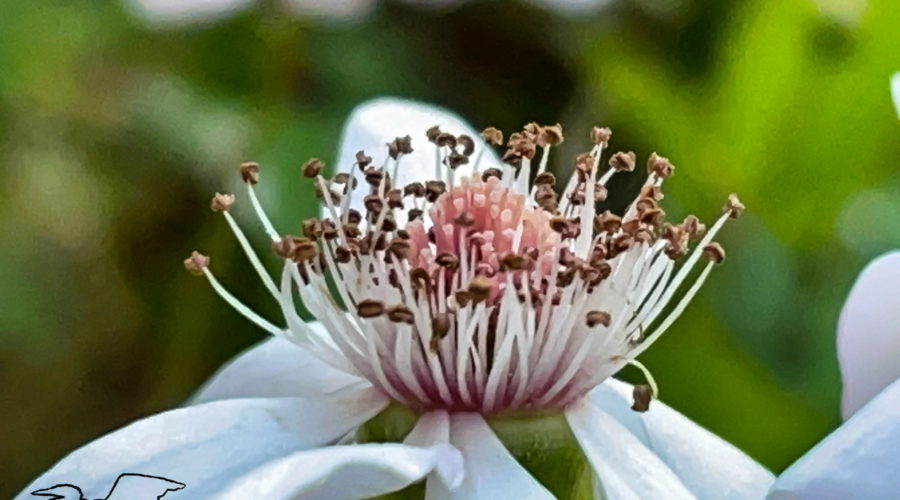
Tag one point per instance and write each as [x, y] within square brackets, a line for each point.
[344, 472]
[868, 333]
[274, 368]
[374, 123]
[626, 468]
[707, 465]
[895, 91]
[491, 472]
[180, 11]
[860, 460]
[208, 445]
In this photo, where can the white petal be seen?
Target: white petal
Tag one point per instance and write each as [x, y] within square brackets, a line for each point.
[860, 460]
[208, 445]
[706, 464]
[895, 92]
[868, 334]
[626, 467]
[274, 368]
[344, 472]
[491, 472]
[166, 11]
[375, 123]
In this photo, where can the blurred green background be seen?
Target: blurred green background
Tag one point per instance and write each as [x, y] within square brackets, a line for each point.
[115, 128]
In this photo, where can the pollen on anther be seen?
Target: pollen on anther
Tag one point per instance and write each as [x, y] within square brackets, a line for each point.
[196, 263]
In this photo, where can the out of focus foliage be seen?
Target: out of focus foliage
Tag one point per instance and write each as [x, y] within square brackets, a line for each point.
[115, 132]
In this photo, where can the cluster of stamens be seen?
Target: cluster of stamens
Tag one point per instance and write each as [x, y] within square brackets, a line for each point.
[488, 291]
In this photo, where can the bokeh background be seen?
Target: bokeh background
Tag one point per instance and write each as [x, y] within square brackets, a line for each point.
[118, 120]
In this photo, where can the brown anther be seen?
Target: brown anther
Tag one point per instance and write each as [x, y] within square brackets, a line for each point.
[522, 146]
[546, 197]
[394, 198]
[311, 228]
[320, 194]
[312, 168]
[221, 202]
[644, 235]
[433, 133]
[373, 203]
[468, 145]
[353, 216]
[462, 298]
[343, 178]
[362, 159]
[373, 176]
[414, 213]
[399, 247]
[552, 135]
[398, 313]
[651, 191]
[369, 308]
[416, 189]
[464, 219]
[623, 162]
[603, 268]
[342, 254]
[455, 159]
[446, 139]
[196, 263]
[642, 395]
[476, 239]
[514, 262]
[660, 165]
[329, 229]
[733, 206]
[447, 260]
[479, 288]
[714, 252]
[419, 278]
[594, 318]
[351, 230]
[440, 324]
[693, 227]
[622, 243]
[433, 189]
[400, 146]
[600, 192]
[485, 269]
[492, 136]
[403, 234]
[600, 135]
[545, 178]
[584, 163]
[607, 221]
[491, 172]
[652, 216]
[678, 241]
[250, 172]
[631, 226]
[284, 247]
[304, 249]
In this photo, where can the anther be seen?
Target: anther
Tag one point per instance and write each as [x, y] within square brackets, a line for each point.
[714, 252]
[362, 159]
[447, 260]
[221, 202]
[594, 318]
[312, 168]
[369, 308]
[416, 189]
[733, 206]
[492, 136]
[545, 178]
[467, 144]
[479, 289]
[623, 162]
[440, 324]
[642, 395]
[552, 135]
[250, 172]
[491, 172]
[400, 146]
[445, 139]
[433, 189]
[464, 219]
[693, 227]
[433, 133]
[311, 228]
[660, 165]
[399, 313]
[196, 263]
[399, 247]
[514, 262]
[600, 135]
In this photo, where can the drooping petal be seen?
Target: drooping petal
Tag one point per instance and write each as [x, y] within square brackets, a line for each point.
[206, 446]
[490, 470]
[708, 466]
[860, 460]
[627, 469]
[178, 11]
[895, 91]
[868, 334]
[375, 123]
[345, 472]
[274, 368]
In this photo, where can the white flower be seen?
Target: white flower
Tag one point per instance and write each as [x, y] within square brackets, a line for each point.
[861, 459]
[497, 296]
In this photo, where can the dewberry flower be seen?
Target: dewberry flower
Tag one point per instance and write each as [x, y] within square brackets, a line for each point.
[469, 318]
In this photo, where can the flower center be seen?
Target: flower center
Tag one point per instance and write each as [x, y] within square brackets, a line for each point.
[486, 292]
